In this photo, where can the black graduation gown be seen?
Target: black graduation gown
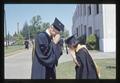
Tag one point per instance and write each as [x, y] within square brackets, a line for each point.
[45, 58]
[87, 69]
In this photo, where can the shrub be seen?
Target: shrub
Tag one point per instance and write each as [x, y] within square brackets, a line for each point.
[91, 42]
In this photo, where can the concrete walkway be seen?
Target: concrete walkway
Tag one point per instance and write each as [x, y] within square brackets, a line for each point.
[18, 65]
[94, 54]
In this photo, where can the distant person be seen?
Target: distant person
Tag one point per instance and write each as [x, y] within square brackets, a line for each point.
[46, 52]
[26, 44]
[85, 66]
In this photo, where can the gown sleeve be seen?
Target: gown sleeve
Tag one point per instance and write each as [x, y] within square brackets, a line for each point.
[46, 53]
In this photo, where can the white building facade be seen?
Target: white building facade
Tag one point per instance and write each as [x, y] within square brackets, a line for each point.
[99, 19]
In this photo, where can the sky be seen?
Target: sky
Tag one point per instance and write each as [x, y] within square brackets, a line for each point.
[24, 12]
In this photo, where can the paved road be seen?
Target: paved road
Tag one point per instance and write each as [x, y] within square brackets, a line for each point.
[18, 66]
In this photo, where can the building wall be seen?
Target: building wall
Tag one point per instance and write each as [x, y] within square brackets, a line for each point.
[109, 28]
[99, 23]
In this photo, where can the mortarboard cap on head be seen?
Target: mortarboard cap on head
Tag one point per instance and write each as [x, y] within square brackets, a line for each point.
[71, 41]
[58, 25]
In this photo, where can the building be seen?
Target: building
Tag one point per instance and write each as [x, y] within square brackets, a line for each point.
[99, 19]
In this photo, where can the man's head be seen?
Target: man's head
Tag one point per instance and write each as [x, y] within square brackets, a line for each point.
[53, 31]
[71, 42]
[56, 27]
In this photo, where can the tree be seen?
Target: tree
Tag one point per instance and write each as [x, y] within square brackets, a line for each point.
[19, 39]
[31, 31]
[25, 31]
[36, 21]
[8, 37]
[14, 36]
[44, 26]
[35, 25]
[65, 34]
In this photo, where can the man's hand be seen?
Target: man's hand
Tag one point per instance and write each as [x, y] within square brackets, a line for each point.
[56, 39]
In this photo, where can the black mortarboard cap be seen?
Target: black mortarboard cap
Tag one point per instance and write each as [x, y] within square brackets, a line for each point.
[71, 40]
[58, 25]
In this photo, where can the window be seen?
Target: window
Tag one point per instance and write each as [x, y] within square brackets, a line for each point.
[81, 10]
[89, 10]
[78, 10]
[77, 31]
[97, 32]
[89, 30]
[97, 9]
[81, 30]
[85, 29]
[84, 6]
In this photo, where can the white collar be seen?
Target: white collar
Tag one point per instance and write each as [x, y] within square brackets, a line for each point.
[48, 32]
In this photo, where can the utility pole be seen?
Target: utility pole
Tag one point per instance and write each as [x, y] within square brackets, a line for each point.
[8, 38]
[5, 27]
[18, 27]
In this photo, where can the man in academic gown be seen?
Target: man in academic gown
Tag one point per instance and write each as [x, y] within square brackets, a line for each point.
[47, 52]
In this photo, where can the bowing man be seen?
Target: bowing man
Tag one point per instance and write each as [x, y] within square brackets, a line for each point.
[85, 66]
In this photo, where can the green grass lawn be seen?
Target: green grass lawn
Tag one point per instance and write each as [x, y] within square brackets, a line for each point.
[10, 49]
[66, 70]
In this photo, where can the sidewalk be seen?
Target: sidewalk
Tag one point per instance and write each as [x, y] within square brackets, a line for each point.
[95, 55]
[102, 55]
[64, 58]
